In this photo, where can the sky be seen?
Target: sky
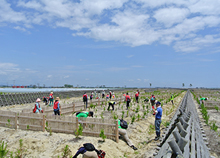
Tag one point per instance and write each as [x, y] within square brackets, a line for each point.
[110, 42]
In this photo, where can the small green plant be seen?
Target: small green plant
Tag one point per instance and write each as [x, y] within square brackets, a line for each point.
[3, 150]
[143, 106]
[138, 116]
[28, 127]
[102, 134]
[21, 150]
[216, 108]
[145, 113]
[50, 130]
[78, 131]
[102, 115]
[115, 116]
[132, 119]
[66, 152]
[151, 129]
[9, 123]
[166, 123]
[122, 116]
[104, 109]
[127, 113]
[213, 126]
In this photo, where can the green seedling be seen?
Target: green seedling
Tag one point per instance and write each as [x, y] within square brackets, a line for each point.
[66, 152]
[3, 150]
[132, 119]
[102, 135]
[78, 131]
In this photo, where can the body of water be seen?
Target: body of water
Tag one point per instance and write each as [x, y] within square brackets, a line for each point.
[25, 90]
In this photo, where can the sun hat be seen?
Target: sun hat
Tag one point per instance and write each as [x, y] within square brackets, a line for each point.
[51, 92]
[57, 98]
[38, 100]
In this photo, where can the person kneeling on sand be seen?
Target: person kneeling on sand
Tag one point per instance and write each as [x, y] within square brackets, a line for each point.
[89, 151]
[56, 106]
[37, 108]
[122, 131]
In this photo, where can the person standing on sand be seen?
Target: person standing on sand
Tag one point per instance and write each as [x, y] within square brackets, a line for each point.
[56, 106]
[95, 94]
[136, 96]
[85, 99]
[123, 132]
[158, 117]
[103, 93]
[110, 95]
[152, 101]
[51, 98]
[37, 109]
[128, 99]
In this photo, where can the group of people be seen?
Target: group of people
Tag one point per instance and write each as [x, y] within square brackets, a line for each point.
[121, 129]
[56, 105]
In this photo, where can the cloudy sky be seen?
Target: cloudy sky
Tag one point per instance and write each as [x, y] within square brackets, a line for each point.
[110, 42]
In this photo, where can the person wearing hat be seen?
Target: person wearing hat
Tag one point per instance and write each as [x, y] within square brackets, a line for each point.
[85, 99]
[51, 98]
[152, 101]
[56, 106]
[37, 108]
[111, 103]
[202, 101]
[158, 115]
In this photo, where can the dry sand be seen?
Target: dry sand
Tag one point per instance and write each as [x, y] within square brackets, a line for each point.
[41, 145]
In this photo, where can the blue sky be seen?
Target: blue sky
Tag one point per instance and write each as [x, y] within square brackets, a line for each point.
[110, 42]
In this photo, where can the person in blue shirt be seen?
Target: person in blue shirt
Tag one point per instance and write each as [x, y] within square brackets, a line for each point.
[158, 116]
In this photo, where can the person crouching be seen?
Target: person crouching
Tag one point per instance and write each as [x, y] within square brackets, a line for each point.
[56, 106]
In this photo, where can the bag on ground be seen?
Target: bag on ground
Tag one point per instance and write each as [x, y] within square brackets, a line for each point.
[78, 113]
[101, 154]
[123, 124]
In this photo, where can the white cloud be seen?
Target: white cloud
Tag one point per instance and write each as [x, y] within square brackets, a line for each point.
[129, 22]
[170, 16]
[66, 76]
[49, 76]
[8, 68]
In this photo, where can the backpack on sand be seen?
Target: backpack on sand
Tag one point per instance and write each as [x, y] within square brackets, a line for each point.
[78, 113]
[84, 98]
[123, 124]
[89, 146]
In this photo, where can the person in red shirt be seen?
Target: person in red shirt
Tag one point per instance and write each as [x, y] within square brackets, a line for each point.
[128, 99]
[85, 98]
[138, 92]
[56, 106]
[136, 96]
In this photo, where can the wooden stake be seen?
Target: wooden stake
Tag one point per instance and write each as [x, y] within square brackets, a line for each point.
[44, 123]
[16, 118]
[116, 131]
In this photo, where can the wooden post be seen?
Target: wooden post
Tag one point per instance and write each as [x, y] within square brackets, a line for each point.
[74, 107]
[44, 123]
[16, 118]
[77, 122]
[116, 131]
[99, 102]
